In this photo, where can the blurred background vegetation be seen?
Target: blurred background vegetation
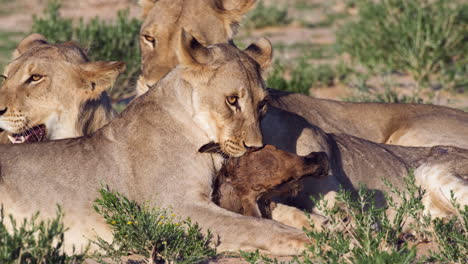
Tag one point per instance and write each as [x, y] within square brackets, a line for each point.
[108, 41]
[355, 50]
[379, 51]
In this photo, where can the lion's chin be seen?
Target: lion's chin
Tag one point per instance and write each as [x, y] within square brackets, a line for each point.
[34, 134]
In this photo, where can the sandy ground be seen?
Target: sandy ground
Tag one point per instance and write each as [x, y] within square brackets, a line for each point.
[17, 15]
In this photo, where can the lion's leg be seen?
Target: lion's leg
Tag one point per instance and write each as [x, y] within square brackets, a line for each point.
[237, 232]
[296, 218]
[417, 133]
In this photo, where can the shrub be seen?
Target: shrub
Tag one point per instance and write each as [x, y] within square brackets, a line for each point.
[255, 257]
[452, 237]
[298, 83]
[370, 237]
[8, 42]
[360, 232]
[427, 39]
[105, 41]
[303, 76]
[34, 242]
[265, 16]
[153, 233]
[388, 96]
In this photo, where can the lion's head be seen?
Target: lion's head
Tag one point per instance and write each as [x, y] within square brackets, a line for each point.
[223, 90]
[52, 91]
[209, 21]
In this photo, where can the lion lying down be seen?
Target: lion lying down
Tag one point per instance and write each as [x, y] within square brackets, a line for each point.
[64, 96]
[439, 170]
[216, 21]
[244, 185]
[150, 152]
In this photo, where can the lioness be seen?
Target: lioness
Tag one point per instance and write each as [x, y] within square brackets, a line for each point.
[215, 21]
[216, 94]
[438, 170]
[52, 91]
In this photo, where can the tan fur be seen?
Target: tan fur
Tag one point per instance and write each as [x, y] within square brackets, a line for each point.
[151, 146]
[296, 218]
[28, 42]
[71, 99]
[443, 172]
[398, 124]
[438, 170]
[209, 21]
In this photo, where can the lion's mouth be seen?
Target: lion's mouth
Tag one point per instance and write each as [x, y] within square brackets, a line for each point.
[35, 134]
[215, 148]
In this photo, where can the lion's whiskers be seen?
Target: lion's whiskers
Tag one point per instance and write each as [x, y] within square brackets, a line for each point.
[31, 131]
[224, 155]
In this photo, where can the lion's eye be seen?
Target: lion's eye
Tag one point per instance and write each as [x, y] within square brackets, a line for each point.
[232, 100]
[149, 38]
[35, 78]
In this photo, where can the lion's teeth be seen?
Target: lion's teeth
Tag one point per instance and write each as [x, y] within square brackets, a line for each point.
[12, 139]
[16, 140]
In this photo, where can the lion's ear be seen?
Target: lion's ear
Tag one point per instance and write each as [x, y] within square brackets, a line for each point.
[191, 52]
[262, 52]
[146, 6]
[101, 75]
[232, 11]
[27, 43]
[235, 8]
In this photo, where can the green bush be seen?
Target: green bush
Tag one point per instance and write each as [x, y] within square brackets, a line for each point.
[360, 232]
[427, 39]
[117, 41]
[370, 236]
[303, 76]
[388, 96]
[34, 242]
[452, 237]
[298, 83]
[8, 42]
[153, 233]
[265, 16]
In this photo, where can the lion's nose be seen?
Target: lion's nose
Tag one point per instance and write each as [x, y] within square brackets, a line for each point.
[253, 137]
[3, 111]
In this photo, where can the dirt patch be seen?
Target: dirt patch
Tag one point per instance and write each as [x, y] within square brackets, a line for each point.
[17, 15]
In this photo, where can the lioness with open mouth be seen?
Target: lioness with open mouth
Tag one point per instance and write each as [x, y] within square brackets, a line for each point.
[150, 152]
[216, 21]
[53, 91]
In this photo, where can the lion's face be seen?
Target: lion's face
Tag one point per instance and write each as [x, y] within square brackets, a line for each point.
[209, 21]
[44, 88]
[229, 96]
[232, 113]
